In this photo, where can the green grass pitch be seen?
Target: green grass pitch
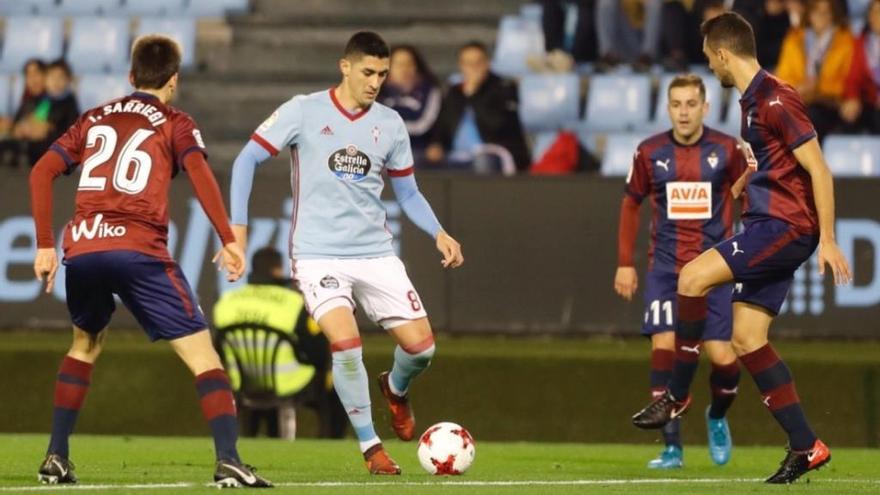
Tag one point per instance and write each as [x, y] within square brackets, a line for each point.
[157, 465]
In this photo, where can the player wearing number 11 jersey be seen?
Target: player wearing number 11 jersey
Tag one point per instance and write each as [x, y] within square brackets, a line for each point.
[130, 149]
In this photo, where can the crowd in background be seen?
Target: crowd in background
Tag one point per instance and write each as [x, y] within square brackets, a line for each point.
[808, 43]
[47, 107]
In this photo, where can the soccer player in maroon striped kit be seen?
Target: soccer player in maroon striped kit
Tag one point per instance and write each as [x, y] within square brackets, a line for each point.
[791, 213]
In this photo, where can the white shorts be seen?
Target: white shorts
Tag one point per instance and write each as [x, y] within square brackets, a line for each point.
[379, 285]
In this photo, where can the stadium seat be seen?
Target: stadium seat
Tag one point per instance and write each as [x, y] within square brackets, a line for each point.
[733, 120]
[531, 11]
[94, 89]
[183, 30]
[88, 7]
[98, 44]
[853, 156]
[17, 91]
[618, 156]
[618, 103]
[26, 7]
[542, 142]
[154, 7]
[548, 101]
[714, 93]
[518, 38]
[28, 37]
[5, 95]
[215, 8]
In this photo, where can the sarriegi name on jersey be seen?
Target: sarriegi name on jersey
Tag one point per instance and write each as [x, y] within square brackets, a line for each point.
[349, 163]
[152, 113]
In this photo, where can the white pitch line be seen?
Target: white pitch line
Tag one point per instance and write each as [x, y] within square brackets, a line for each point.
[465, 483]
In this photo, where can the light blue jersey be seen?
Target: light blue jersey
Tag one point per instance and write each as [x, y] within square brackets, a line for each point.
[337, 159]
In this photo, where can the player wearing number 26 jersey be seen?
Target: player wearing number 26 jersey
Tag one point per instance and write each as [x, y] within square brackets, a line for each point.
[116, 245]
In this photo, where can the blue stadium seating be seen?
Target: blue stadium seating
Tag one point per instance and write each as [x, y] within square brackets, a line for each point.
[518, 38]
[26, 7]
[98, 44]
[853, 156]
[619, 151]
[181, 29]
[154, 7]
[5, 95]
[532, 11]
[17, 91]
[714, 94]
[88, 7]
[95, 89]
[618, 102]
[548, 101]
[733, 119]
[542, 142]
[28, 37]
[215, 8]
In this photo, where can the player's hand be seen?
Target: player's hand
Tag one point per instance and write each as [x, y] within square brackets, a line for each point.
[232, 259]
[626, 281]
[45, 266]
[434, 153]
[829, 253]
[451, 250]
[740, 185]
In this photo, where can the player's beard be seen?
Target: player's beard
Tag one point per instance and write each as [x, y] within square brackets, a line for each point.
[726, 80]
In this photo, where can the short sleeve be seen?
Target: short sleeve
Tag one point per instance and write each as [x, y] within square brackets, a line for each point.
[186, 138]
[786, 116]
[400, 159]
[70, 145]
[638, 181]
[281, 128]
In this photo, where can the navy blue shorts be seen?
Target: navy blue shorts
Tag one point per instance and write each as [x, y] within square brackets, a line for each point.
[661, 307]
[155, 291]
[763, 259]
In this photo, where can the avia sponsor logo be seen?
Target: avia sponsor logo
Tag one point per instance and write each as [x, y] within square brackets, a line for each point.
[350, 164]
[97, 230]
[689, 200]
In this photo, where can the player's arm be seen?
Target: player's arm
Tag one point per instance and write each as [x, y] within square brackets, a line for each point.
[252, 155]
[42, 176]
[275, 133]
[417, 209]
[809, 155]
[740, 171]
[626, 279]
[208, 193]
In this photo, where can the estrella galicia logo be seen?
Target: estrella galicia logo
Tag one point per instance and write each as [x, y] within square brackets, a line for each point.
[329, 282]
[349, 164]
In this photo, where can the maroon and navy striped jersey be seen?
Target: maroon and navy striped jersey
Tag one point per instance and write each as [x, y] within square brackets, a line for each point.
[774, 124]
[689, 189]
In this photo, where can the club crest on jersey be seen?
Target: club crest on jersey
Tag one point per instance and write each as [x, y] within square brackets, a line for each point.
[350, 164]
[712, 160]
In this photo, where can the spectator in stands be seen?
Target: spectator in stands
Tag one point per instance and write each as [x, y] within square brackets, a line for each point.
[583, 45]
[628, 31]
[776, 18]
[64, 109]
[29, 126]
[303, 370]
[412, 90]
[860, 110]
[816, 59]
[478, 125]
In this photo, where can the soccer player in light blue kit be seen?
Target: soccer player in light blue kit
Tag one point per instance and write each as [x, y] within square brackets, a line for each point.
[340, 142]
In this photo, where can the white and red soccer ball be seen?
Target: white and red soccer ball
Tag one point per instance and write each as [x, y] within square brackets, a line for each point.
[446, 449]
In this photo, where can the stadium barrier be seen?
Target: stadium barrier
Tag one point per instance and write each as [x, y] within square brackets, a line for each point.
[540, 256]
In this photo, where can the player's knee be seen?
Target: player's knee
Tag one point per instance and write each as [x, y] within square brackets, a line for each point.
[86, 346]
[663, 341]
[744, 343]
[691, 281]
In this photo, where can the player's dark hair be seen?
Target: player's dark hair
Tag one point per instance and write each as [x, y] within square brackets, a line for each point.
[731, 31]
[154, 60]
[263, 263]
[62, 65]
[366, 44]
[476, 45]
[422, 67]
[687, 80]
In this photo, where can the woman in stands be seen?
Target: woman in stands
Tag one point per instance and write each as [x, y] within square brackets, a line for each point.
[412, 90]
[860, 110]
[815, 59]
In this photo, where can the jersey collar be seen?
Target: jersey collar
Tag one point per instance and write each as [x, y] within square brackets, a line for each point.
[753, 86]
[143, 95]
[350, 116]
